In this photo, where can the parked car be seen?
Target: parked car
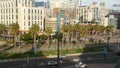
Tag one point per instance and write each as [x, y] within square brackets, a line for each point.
[50, 63]
[80, 65]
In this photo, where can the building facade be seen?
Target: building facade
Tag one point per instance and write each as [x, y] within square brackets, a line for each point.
[22, 12]
[95, 12]
[52, 23]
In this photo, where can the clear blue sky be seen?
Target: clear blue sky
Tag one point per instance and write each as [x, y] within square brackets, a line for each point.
[109, 3]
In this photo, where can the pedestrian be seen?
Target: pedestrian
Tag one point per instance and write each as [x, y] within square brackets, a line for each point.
[105, 54]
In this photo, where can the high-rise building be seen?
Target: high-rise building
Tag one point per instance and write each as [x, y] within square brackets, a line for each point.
[22, 12]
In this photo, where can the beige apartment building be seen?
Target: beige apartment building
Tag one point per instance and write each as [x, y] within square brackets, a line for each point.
[22, 12]
[52, 23]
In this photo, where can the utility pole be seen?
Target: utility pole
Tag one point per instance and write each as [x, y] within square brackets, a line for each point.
[58, 36]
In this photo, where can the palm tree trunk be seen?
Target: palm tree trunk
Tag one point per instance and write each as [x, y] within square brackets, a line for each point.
[35, 49]
[68, 39]
[15, 40]
[76, 35]
[63, 40]
[48, 41]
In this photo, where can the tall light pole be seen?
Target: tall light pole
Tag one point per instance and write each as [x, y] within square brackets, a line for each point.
[58, 35]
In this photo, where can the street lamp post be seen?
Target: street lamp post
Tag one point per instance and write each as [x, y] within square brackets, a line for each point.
[58, 35]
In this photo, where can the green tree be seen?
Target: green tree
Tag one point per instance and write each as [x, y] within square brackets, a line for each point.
[77, 29]
[69, 32]
[84, 31]
[34, 31]
[26, 37]
[99, 29]
[109, 29]
[2, 28]
[43, 37]
[48, 33]
[14, 28]
[64, 30]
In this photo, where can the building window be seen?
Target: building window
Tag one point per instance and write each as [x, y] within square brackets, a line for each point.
[38, 11]
[32, 11]
[28, 17]
[9, 4]
[35, 17]
[12, 10]
[22, 4]
[1, 10]
[12, 17]
[41, 11]
[6, 10]
[32, 22]
[32, 17]
[35, 11]
[1, 16]
[16, 3]
[41, 22]
[28, 23]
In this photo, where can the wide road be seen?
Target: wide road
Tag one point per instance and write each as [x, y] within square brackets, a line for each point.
[68, 61]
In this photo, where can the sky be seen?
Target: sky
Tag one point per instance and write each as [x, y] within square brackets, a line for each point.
[109, 3]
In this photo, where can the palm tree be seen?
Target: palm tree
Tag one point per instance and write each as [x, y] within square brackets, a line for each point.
[77, 29]
[48, 32]
[109, 29]
[2, 28]
[34, 31]
[69, 32]
[99, 29]
[14, 27]
[84, 31]
[64, 31]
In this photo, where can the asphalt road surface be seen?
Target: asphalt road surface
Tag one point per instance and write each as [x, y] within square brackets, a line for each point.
[68, 61]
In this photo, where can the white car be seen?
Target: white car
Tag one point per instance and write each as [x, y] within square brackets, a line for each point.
[80, 65]
[63, 56]
[50, 63]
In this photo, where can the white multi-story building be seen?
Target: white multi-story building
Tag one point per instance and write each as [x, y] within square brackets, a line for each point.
[95, 12]
[22, 12]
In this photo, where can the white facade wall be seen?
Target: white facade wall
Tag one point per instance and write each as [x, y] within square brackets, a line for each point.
[96, 12]
[22, 12]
